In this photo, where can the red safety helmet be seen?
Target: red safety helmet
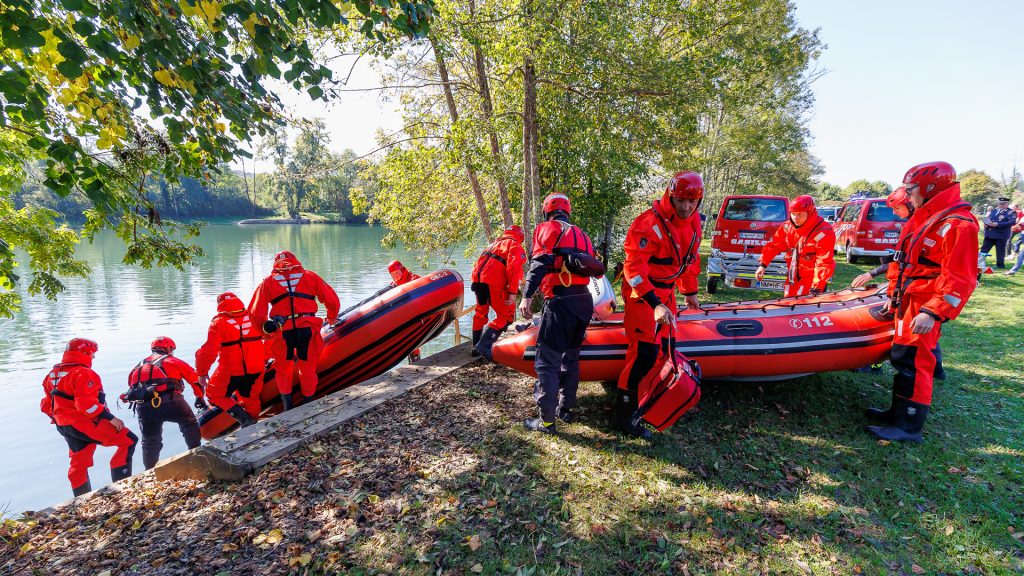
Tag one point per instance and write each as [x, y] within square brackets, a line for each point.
[897, 197]
[931, 177]
[163, 343]
[83, 345]
[285, 259]
[229, 303]
[557, 201]
[395, 266]
[515, 231]
[686, 185]
[802, 203]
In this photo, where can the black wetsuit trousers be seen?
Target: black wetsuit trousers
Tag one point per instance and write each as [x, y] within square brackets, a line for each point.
[173, 408]
[563, 324]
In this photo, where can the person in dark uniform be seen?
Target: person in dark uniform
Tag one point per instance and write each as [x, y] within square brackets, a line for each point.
[568, 307]
[155, 389]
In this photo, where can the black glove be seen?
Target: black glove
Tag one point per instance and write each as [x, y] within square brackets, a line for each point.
[199, 404]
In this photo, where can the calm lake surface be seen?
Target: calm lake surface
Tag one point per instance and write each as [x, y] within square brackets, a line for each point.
[123, 308]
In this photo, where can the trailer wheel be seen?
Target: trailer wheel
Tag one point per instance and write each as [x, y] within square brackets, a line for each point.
[712, 285]
[850, 257]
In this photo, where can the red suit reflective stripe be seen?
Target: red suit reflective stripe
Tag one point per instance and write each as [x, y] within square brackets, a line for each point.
[235, 341]
[809, 253]
[71, 391]
[548, 238]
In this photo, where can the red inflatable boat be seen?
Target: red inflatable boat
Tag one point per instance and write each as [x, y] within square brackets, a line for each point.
[369, 339]
[751, 340]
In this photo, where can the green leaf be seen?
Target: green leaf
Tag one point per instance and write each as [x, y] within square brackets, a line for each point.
[316, 92]
[84, 27]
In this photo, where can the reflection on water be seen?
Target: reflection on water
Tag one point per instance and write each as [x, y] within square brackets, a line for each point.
[123, 308]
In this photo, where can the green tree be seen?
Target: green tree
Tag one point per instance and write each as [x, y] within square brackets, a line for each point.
[85, 83]
[978, 188]
[825, 192]
[862, 187]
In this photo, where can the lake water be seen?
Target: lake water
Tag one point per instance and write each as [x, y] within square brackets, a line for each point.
[123, 308]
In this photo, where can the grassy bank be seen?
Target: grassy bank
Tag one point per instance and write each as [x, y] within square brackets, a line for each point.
[762, 479]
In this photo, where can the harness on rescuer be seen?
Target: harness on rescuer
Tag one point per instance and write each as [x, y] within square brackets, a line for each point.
[574, 260]
[684, 259]
[903, 255]
[149, 380]
[794, 260]
[53, 380]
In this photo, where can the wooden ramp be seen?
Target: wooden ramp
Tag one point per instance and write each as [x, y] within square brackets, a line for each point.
[236, 455]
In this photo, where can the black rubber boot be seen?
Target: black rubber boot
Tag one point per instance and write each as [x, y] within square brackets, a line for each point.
[121, 472]
[909, 421]
[286, 402]
[487, 340]
[565, 415]
[538, 425]
[83, 489]
[476, 340]
[622, 415]
[239, 414]
[884, 416]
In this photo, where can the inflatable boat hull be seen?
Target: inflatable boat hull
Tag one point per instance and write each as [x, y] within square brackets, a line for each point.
[368, 340]
[751, 340]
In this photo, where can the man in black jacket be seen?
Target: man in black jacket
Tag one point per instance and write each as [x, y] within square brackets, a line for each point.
[998, 223]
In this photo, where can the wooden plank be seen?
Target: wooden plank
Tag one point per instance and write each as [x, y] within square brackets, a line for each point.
[236, 455]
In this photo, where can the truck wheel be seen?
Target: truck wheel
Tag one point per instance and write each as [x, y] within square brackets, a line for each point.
[850, 257]
[712, 285]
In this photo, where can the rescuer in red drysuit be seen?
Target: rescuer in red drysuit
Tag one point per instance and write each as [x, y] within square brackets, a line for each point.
[292, 292]
[400, 274]
[661, 256]
[934, 273]
[155, 391]
[568, 307]
[495, 282]
[74, 400]
[900, 203]
[809, 243]
[235, 343]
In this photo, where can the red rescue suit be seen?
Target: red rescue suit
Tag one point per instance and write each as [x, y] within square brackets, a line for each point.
[74, 400]
[292, 292]
[400, 274]
[495, 277]
[661, 256]
[809, 252]
[234, 340]
[935, 271]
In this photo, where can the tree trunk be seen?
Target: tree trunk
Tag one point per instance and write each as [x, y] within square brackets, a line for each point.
[492, 135]
[478, 194]
[531, 169]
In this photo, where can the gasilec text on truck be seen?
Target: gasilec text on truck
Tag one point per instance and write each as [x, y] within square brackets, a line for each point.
[745, 224]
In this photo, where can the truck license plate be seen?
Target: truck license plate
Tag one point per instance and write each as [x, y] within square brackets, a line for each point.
[751, 234]
[891, 234]
[769, 285]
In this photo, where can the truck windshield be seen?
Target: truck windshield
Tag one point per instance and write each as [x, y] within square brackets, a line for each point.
[757, 209]
[879, 212]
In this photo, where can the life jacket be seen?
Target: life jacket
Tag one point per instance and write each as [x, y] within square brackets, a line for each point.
[239, 332]
[911, 263]
[150, 374]
[59, 397]
[797, 253]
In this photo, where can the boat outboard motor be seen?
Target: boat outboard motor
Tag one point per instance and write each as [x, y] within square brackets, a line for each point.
[604, 297]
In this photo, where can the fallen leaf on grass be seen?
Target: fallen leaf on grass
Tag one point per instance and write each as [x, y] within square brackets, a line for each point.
[883, 442]
[916, 569]
[949, 529]
[476, 569]
[474, 542]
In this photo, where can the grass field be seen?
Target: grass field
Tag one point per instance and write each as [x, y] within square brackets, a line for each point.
[772, 478]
